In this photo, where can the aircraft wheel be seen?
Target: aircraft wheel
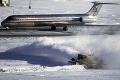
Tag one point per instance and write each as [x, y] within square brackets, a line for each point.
[7, 28]
[53, 28]
[65, 28]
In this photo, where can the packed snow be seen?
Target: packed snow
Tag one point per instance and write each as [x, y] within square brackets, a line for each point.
[47, 58]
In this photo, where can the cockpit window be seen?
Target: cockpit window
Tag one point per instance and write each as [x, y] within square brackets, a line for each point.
[9, 18]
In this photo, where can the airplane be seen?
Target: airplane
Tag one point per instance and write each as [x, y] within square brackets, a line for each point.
[53, 20]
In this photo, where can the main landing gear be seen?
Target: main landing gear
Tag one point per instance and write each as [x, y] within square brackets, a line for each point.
[54, 28]
[65, 28]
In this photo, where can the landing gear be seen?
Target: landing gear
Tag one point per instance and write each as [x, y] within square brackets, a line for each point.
[65, 28]
[7, 28]
[53, 28]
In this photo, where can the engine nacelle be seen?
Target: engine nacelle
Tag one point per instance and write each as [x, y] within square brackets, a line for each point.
[87, 19]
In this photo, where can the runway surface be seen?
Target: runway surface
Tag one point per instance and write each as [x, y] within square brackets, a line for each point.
[72, 31]
[33, 32]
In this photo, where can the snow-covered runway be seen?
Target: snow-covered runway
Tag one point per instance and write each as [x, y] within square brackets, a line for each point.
[64, 75]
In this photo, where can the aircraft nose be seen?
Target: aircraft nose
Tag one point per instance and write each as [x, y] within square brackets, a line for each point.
[3, 23]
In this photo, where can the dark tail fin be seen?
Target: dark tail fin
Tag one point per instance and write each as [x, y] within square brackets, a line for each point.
[96, 7]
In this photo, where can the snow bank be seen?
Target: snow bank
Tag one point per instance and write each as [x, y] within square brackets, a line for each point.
[38, 68]
[65, 68]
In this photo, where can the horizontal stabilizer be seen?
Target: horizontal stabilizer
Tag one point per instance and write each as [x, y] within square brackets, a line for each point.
[98, 2]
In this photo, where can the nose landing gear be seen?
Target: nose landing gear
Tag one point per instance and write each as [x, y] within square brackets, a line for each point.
[7, 28]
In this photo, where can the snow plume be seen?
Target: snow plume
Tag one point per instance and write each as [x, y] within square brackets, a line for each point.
[57, 51]
[106, 47]
[37, 53]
